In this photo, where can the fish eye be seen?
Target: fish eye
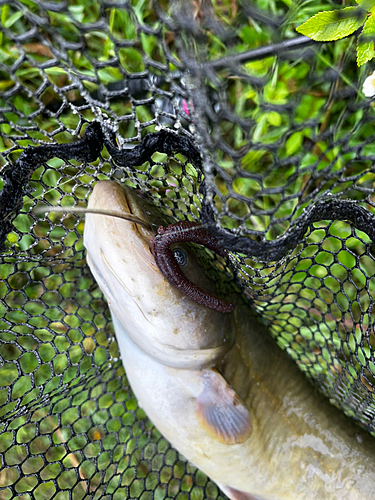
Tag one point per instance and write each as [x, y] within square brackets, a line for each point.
[180, 256]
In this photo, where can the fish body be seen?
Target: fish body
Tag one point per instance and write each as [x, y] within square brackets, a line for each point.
[138, 294]
[215, 385]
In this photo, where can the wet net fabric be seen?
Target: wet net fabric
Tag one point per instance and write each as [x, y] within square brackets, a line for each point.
[267, 141]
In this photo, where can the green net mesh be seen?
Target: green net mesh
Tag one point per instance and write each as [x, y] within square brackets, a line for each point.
[286, 138]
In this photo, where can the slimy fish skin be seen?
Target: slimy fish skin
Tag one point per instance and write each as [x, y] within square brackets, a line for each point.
[138, 295]
[216, 385]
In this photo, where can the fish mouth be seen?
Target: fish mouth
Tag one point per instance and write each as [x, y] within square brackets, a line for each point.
[143, 235]
[133, 207]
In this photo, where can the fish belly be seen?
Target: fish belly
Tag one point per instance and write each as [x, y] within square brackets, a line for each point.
[279, 461]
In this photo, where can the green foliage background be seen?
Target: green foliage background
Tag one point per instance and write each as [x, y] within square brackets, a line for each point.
[39, 317]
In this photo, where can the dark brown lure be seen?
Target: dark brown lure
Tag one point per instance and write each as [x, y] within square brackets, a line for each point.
[178, 232]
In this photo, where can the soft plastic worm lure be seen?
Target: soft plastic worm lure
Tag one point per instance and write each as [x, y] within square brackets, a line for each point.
[185, 231]
[165, 258]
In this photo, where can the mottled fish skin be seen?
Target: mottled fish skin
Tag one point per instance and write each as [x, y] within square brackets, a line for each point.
[242, 413]
[138, 293]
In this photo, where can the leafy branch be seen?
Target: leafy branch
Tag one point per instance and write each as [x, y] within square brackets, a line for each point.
[336, 24]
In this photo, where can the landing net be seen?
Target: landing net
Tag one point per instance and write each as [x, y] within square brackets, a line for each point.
[263, 136]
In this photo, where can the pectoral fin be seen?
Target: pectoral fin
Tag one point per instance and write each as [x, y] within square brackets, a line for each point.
[234, 494]
[221, 412]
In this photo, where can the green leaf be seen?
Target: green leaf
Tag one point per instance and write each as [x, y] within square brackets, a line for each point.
[333, 24]
[55, 70]
[13, 19]
[294, 142]
[366, 5]
[365, 43]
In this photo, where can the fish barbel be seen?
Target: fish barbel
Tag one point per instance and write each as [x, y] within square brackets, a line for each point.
[216, 385]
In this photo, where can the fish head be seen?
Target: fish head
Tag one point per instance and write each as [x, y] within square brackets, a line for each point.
[164, 323]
